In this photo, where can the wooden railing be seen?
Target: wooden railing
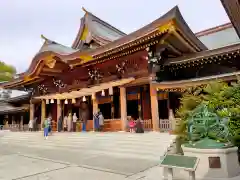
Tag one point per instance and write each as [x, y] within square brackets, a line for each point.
[165, 125]
[147, 124]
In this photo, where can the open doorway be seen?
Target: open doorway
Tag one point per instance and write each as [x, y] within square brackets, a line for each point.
[132, 108]
[163, 109]
[105, 108]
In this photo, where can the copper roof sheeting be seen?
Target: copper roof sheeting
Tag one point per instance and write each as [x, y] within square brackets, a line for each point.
[214, 29]
[195, 81]
[205, 54]
[98, 30]
[232, 8]
[6, 108]
[174, 15]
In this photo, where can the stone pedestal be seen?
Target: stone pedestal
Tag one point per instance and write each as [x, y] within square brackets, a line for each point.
[215, 163]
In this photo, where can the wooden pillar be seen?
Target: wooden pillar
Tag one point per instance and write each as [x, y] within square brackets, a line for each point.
[43, 112]
[123, 103]
[95, 109]
[59, 111]
[32, 111]
[140, 103]
[154, 108]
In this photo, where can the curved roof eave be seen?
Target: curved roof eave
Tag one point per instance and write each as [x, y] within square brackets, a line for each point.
[172, 15]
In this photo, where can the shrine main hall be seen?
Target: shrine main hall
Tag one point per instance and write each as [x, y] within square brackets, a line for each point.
[140, 75]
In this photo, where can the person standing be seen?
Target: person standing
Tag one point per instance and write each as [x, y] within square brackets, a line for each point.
[46, 128]
[74, 122]
[84, 119]
[35, 125]
[96, 121]
[60, 123]
[101, 121]
[49, 124]
[30, 125]
[139, 126]
[65, 123]
[69, 122]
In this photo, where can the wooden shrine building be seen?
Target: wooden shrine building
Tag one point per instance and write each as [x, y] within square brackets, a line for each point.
[14, 112]
[141, 74]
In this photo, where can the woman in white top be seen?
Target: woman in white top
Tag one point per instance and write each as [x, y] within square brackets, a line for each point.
[74, 122]
[30, 125]
[65, 123]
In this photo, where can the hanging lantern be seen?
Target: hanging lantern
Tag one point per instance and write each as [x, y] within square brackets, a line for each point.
[58, 101]
[103, 93]
[52, 101]
[110, 91]
[93, 96]
[84, 99]
[47, 101]
[66, 101]
[73, 101]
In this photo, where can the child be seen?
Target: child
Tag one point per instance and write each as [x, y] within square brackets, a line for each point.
[45, 128]
[131, 125]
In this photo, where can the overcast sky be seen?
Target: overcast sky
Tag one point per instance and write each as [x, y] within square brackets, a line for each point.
[23, 21]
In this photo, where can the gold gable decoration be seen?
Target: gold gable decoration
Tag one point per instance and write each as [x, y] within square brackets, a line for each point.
[50, 62]
[84, 34]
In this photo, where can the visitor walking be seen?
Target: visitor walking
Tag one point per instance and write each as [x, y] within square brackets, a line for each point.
[45, 128]
[74, 122]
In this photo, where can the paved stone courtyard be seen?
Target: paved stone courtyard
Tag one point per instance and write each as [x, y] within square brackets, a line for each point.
[34, 159]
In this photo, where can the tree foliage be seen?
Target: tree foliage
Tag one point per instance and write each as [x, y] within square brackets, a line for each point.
[220, 98]
[7, 72]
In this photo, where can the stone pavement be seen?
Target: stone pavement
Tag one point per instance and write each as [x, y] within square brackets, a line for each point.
[85, 156]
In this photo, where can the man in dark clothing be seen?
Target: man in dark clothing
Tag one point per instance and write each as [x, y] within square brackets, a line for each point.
[60, 122]
[139, 126]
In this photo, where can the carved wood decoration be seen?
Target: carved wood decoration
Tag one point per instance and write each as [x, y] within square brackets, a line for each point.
[42, 89]
[59, 83]
[155, 59]
[121, 69]
[95, 76]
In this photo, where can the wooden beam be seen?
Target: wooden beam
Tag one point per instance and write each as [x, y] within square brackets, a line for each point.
[44, 74]
[175, 50]
[177, 35]
[46, 69]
